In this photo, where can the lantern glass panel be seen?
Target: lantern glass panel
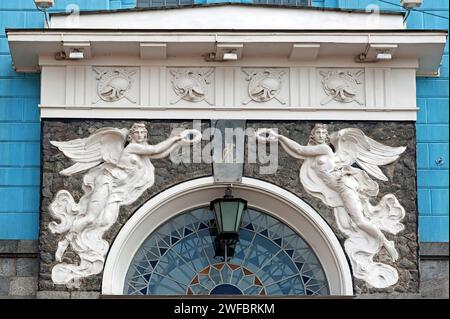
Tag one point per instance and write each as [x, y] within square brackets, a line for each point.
[229, 211]
[218, 215]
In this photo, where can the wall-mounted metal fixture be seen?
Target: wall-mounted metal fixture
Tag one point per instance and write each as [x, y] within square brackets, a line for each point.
[376, 53]
[76, 54]
[225, 52]
[410, 5]
[43, 6]
[440, 161]
[228, 215]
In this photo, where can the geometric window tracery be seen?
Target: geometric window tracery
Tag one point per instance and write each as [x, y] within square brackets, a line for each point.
[269, 259]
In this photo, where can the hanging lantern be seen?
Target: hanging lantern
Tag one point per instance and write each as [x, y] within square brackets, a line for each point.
[228, 214]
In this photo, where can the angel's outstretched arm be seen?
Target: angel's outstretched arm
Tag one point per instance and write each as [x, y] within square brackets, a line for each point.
[157, 151]
[164, 148]
[299, 151]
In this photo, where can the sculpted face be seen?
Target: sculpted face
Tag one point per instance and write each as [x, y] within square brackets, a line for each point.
[139, 135]
[320, 135]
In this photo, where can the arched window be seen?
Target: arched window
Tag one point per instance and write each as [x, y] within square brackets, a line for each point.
[270, 259]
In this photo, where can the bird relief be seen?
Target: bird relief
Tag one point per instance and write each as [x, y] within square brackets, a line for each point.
[341, 86]
[191, 85]
[114, 85]
[264, 85]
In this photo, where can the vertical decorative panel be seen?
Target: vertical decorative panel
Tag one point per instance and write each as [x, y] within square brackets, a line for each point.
[220, 86]
[145, 85]
[154, 85]
[294, 87]
[162, 86]
[229, 87]
[70, 85]
[88, 84]
[79, 85]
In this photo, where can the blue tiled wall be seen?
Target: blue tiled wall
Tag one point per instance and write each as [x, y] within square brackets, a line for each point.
[19, 121]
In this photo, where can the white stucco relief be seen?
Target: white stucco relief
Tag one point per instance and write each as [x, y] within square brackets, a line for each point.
[191, 85]
[343, 86]
[264, 85]
[331, 177]
[117, 174]
[115, 84]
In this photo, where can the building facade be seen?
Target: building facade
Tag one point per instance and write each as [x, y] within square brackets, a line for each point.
[91, 210]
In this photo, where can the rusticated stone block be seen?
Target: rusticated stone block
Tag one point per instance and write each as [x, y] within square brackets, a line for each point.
[434, 279]
[27, 246]
[52, 295]
[4, 285]
[8, 246]
[7, 267]
[27, 267]
[84, 295]
[23, 286]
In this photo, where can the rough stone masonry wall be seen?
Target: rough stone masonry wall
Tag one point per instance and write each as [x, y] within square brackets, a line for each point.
[401, 174]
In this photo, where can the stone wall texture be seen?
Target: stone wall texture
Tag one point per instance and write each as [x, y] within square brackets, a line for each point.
[401, 174]
[19, 267]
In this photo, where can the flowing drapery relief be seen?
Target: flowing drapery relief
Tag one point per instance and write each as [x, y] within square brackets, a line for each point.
[332, 177]
[118, 171]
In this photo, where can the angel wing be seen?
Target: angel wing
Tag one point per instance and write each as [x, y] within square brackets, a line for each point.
[353, 146]
[105, 145]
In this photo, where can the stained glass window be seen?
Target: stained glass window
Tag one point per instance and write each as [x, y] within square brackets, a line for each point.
[270, 259]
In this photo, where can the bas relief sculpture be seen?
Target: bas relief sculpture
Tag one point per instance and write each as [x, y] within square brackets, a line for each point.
[264, 85]
[191, 84]
[115, 84]
[341, 86]
[119, 170]
[332, 177]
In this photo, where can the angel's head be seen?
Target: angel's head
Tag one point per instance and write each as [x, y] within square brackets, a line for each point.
[319, 135]
[138, 133]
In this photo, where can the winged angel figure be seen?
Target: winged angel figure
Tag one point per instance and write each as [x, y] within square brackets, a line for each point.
[331, 177]
[117, 175]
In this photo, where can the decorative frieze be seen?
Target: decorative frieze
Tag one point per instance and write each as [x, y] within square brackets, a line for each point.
[243, 92]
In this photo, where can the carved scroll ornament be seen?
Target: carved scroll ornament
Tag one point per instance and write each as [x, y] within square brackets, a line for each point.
[330, 176]
[117, 175]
